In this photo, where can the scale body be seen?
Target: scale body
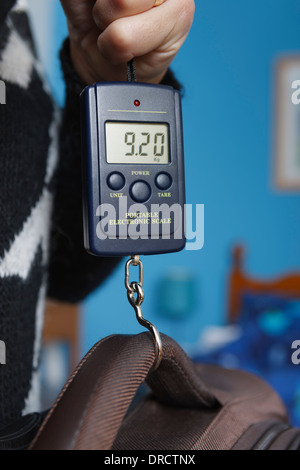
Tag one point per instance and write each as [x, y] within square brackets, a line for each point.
[133, 164]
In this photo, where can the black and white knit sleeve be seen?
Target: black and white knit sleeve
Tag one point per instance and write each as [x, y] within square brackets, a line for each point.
[28, 160]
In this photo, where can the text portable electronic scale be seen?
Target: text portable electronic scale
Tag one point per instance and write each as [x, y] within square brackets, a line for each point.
[133, 169]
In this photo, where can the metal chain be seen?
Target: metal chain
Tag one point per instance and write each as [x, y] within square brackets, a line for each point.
[136, 289]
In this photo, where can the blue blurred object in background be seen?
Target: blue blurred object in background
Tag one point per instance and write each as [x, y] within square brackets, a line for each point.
[176, 294]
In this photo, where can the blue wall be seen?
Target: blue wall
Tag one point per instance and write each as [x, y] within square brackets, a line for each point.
[227, 67]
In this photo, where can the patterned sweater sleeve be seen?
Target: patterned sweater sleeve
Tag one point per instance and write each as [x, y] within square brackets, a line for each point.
[73, 273]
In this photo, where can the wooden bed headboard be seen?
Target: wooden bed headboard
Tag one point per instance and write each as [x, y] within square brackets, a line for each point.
[240, 283]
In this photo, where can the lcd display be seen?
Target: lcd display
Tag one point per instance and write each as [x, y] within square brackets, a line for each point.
[146, 143]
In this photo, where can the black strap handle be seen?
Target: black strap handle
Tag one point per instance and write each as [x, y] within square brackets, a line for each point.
[90, 409]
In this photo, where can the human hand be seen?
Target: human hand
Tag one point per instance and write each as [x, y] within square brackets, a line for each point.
[106, 34]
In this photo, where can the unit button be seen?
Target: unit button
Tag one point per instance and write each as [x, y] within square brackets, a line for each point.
[163, 181]
[140, 191]
[116, 181]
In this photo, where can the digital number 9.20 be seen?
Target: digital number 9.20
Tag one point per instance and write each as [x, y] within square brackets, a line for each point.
[157, 144]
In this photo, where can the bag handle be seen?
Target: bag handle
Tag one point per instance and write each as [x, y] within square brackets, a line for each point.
[90, 409]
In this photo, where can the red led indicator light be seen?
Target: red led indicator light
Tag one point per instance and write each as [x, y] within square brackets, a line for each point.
[137, 103]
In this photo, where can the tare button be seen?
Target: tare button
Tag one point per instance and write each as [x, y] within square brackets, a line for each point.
[163, 181]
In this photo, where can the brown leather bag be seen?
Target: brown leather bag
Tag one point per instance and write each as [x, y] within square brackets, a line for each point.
[190, 407]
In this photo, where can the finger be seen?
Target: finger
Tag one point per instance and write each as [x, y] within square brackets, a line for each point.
[138, 35]
[106, 12]
[78, 12]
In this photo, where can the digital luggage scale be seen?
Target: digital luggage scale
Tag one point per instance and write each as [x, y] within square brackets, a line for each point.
[133, 169]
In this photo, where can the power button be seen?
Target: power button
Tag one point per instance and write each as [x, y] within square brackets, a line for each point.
[140, 191]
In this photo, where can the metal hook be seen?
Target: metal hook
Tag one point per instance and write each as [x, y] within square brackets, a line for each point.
[136, 302]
